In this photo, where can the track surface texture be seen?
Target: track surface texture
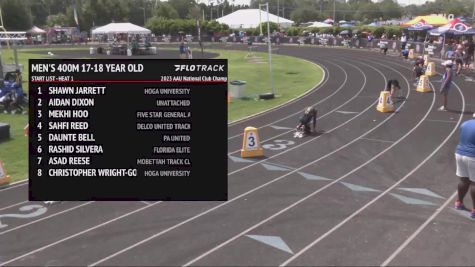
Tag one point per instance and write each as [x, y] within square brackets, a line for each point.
[369, 189]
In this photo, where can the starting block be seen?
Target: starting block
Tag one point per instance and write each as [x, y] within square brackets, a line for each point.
[423, 84]
[426, 60]
[4, 178]
[385, 104]
[430, 70]
[411, 53]
[251, 146]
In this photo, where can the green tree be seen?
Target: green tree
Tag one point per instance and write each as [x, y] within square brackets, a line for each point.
[16, 15]
[456, 8]
[305, 15]
[411, 11]
[368, 12]
[194, 13]
[57, 20]
[165, 10]
[102, 12]
[39, 12]
[139, 11]
[390, 9]
[182, 6]
[272, 26]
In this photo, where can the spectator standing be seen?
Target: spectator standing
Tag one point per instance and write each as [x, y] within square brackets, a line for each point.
[403, 41]
[465, 161]
[468, 53]
[183, 52]
[459, 58]
[418, 70]
[446, 83]
[384, 44]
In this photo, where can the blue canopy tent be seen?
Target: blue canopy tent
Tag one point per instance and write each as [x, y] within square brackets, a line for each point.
[421, 25]
[455, 28]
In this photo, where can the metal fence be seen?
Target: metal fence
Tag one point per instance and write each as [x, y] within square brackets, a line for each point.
[433, 49]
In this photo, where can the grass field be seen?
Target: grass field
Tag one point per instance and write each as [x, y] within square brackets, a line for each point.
[290, 83]
[14, 152]
[292, 77]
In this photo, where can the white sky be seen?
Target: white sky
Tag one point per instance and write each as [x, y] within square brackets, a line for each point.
[412, 2]
[402, 2]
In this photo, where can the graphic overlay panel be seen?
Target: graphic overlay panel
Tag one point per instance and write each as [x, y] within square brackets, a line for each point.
[128, 129]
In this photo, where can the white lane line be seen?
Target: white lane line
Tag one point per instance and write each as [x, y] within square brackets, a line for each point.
[298, 112]
[319, 136]
[14, 205]
[246, 193]
[149, 202]
[446, 121]
[376, 140]
[45, 218]
[13, 185]
[315, 192]
[279, 165]
[367, 96]
[336, 227]
[418, 231]
[80, 233]
[321, 101]
[346, 112]
[22, 181]
[325, 78]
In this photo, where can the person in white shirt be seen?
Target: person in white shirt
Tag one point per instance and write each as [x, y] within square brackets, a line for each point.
[403, 41]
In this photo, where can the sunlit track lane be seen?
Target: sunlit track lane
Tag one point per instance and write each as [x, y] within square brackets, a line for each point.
[360, 154]
[267, 200]
[15, 194]
[235, 129]
[321, 93]
[384, 223]
[321, 211]
[48, 252]
[337, 125]
[118, 237]
[327, 108]
[450, 235]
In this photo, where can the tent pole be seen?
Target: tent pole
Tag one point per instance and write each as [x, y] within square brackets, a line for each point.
[269, 41]
[425, 41]
[260, 20]
[443, 48]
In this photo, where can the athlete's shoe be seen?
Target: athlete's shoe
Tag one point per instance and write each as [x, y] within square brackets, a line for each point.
[442, 108]
[459, 205]
[472, 214]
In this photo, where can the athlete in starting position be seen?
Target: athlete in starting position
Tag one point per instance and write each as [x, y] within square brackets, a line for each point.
[304, 127]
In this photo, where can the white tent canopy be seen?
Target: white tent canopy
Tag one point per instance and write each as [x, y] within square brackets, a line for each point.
[127, 27]
[317, 24]
[36, 30]
[249, 18]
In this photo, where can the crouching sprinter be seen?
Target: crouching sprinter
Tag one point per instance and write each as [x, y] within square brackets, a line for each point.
[307, 123]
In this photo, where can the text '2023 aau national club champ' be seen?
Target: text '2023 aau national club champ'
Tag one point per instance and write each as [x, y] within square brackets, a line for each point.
[128, 129]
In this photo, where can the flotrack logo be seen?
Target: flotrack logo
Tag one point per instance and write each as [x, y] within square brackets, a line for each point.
[199, 67]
